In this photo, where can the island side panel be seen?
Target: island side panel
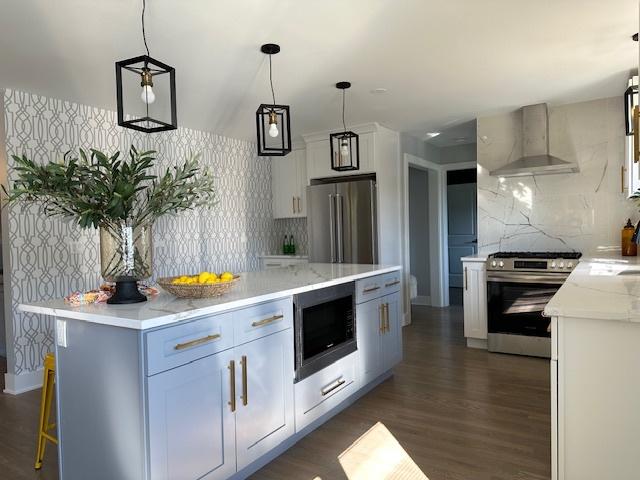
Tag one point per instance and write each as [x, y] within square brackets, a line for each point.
[100, 388]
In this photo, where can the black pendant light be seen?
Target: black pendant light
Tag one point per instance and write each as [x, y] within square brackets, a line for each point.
[146, 92]
[273, 126]
[345, 148]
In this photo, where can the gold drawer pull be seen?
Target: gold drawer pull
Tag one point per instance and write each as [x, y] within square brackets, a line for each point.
[266, 321]
[232, 384]
[381, 329]
[370, 289]
[327, 391]
[392, 283]
[196, 342]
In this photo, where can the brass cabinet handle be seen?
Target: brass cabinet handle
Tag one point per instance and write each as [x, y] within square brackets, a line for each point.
[327, 391]
[622, 179]
[636, 134]
[245, 392]
[466, 283]
[370, 289]
[293, 208]
[299, 207]
[198, 341]
[381, 318]
[387, 285]
[386, 317]
[266, 321]
[232, 384]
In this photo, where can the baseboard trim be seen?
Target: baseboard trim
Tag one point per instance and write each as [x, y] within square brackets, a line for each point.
[423, 300]
[477, 343]
[23, 382]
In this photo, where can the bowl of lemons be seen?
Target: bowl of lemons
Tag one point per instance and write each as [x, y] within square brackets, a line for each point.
[201, 285]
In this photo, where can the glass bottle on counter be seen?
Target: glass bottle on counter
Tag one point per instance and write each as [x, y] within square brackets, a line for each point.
[285, 246]
[292, 246]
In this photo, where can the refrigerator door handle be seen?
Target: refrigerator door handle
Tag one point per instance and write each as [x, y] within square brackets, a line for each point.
[339, 228]
[332, 233]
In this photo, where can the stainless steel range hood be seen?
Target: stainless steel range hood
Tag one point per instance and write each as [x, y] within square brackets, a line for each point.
[535, 148]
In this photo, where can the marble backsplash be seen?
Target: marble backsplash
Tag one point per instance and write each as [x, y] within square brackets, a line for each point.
[568, 212]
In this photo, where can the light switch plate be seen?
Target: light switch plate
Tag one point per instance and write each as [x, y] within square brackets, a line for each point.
[61, 332]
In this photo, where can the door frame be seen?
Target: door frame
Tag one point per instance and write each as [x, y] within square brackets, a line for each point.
[438, 253]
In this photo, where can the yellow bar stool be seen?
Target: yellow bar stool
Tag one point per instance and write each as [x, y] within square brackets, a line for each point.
[44, 427]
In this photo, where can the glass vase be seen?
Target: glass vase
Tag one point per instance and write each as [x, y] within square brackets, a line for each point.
[126, 256]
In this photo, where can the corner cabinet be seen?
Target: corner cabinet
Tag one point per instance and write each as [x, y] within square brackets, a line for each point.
[289, 185]
[474, 298]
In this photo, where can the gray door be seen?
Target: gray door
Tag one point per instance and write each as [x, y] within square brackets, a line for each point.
[321, 223]
[356, 222]
[462, 240]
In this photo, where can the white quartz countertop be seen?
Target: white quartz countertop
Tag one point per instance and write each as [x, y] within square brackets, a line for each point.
[477, 257]
[252, 288]
[286, 257]
[602, 286]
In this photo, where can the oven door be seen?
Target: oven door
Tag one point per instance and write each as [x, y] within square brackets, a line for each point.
[324, 328]
[515, 302]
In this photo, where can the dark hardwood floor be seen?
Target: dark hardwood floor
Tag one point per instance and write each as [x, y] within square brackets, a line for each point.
[461, 414]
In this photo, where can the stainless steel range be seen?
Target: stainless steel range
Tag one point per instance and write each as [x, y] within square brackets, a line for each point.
[519, 286]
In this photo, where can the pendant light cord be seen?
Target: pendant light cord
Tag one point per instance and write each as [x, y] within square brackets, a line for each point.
[144, 35]
[343, 122]
[273, 95]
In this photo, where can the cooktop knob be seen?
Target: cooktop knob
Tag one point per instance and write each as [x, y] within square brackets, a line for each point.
[561, 264]
[553, 265]
[501, 264]
[570, 265]
[494, 263]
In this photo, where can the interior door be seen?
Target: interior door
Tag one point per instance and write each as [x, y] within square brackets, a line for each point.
[264, 414]
[191, 426]
[356, 222]
[321, 223]
[462, 233]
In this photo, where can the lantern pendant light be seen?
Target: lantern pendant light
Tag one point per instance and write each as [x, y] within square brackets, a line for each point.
[273, 126]
[345, 148]
[152, 109]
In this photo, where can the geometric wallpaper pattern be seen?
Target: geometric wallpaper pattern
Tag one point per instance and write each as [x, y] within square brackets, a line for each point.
[50, 257]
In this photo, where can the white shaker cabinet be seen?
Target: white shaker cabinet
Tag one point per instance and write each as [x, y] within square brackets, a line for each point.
[191, 425]
[289, 185]
[474, 298]
[264, 395]
[379, 333]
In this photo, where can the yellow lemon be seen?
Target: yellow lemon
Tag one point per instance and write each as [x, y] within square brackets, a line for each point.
[227, 276]
[176, 281]
[203, 277]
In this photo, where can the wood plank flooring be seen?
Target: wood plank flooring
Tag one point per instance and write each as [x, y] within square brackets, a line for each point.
[460, 413]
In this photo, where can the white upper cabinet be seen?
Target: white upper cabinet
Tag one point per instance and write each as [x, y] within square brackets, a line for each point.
[289, 185]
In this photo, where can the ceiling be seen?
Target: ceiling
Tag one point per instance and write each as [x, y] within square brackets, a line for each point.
[459, 134]
[442, 62]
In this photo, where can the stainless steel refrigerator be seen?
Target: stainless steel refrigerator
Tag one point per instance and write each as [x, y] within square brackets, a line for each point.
[342, 221]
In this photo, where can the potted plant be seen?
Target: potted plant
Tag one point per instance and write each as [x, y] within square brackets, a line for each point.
[121, 197]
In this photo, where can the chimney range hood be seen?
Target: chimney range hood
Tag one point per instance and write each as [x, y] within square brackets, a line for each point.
[535, 148]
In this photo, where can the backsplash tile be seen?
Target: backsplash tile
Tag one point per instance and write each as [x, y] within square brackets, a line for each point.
[582, 211]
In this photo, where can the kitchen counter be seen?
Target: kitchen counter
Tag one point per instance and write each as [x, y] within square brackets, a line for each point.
[477, 257]
[252, 288]
[602, 286]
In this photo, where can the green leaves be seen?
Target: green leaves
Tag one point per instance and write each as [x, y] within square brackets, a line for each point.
[96, 189]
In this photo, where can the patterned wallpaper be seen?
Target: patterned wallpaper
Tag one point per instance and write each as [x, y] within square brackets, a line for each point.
[49, 258]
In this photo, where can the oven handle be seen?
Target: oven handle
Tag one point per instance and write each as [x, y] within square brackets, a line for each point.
[551, 279]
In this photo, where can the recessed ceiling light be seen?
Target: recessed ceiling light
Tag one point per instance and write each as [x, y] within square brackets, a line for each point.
[379, 90]
[432, 134]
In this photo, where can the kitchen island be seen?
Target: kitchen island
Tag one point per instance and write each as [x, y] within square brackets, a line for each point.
[595, 355]
[186, 389]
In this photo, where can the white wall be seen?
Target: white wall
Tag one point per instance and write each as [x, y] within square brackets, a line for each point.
[419, 229]
[458, 153]
[583, 211]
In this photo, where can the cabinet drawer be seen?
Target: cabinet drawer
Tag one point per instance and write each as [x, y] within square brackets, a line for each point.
[369, 288]
[178, 345]
[262, 320]
[391, 282]
[324, 390]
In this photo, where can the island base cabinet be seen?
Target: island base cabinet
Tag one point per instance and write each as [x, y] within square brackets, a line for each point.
[191, 425]
[264, 395]
[379, 336]
[474, 300]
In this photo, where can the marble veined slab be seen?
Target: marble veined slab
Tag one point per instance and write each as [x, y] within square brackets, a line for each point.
[252, 288]
[603, 287]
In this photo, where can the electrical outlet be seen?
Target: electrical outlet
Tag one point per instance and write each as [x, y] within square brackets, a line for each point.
[61, 333]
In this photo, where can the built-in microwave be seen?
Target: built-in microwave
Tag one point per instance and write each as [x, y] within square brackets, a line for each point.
[325, 327]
